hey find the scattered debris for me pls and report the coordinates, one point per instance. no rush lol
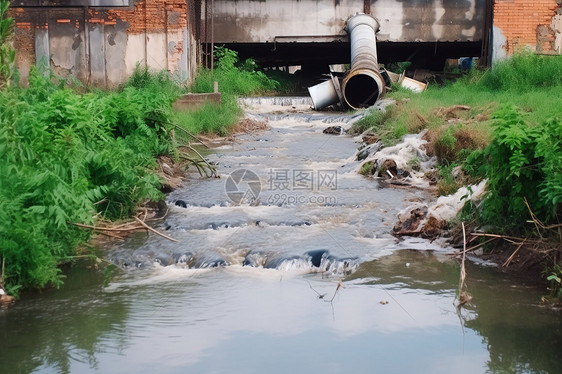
(119, 231)
(390, 77)
(249, 126)
(451, 112)
(5, 298)
(369, 138)
(429, 222)
(412, 84)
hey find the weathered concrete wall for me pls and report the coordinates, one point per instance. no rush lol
(102, 46)
(259, 21)
(535, 25)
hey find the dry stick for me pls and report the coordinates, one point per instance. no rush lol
(190, 134)
(505, 237)
(463, 270)
(145, 213)
(508, 261)
(536, 221)
(340, 285)
(124, 225)
(95, 228)
(473, 247)
(553, 226)
(213, 171)
(155, 231)
(320, 295)
(511, 239)
(464, 296)
(112, 235)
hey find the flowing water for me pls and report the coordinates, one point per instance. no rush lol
(302, 276)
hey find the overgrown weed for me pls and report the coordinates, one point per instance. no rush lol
(235, 78)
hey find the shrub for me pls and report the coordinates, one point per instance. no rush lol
(522, 162)
(64, 157)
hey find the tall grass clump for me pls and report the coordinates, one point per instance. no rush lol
(235, 78)
(66, 158)
(524, 72)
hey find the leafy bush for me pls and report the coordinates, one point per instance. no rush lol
(234, 77)
(522, 162)
(64, 157)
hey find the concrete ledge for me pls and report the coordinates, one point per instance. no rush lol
(191, 100)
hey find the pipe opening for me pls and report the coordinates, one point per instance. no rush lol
(361, 91)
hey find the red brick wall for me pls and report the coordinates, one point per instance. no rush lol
(145, 15)
(526, 23)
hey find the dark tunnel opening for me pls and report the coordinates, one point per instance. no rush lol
(361, 91)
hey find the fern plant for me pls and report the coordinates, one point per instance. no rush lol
(64, 157)
(522, 162)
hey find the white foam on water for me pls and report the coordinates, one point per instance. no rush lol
(155, 275)
(409, 149)
(448, 207)
(284, 104)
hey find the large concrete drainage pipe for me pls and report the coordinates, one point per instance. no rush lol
(363, 86)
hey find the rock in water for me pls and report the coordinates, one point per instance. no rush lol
(409, 224)
(333, 130)
(181, 203)
(362, 155)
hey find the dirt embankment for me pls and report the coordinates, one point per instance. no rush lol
(413, 163)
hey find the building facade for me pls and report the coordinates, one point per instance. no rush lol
(102, 41)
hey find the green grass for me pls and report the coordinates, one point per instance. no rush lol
(210, 118)
(532, 83)
(235, 78)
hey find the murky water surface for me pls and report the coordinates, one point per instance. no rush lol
(304, 278)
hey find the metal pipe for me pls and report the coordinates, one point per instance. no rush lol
(325, 94)
(364, 85)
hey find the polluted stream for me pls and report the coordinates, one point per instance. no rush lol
(284, 264)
